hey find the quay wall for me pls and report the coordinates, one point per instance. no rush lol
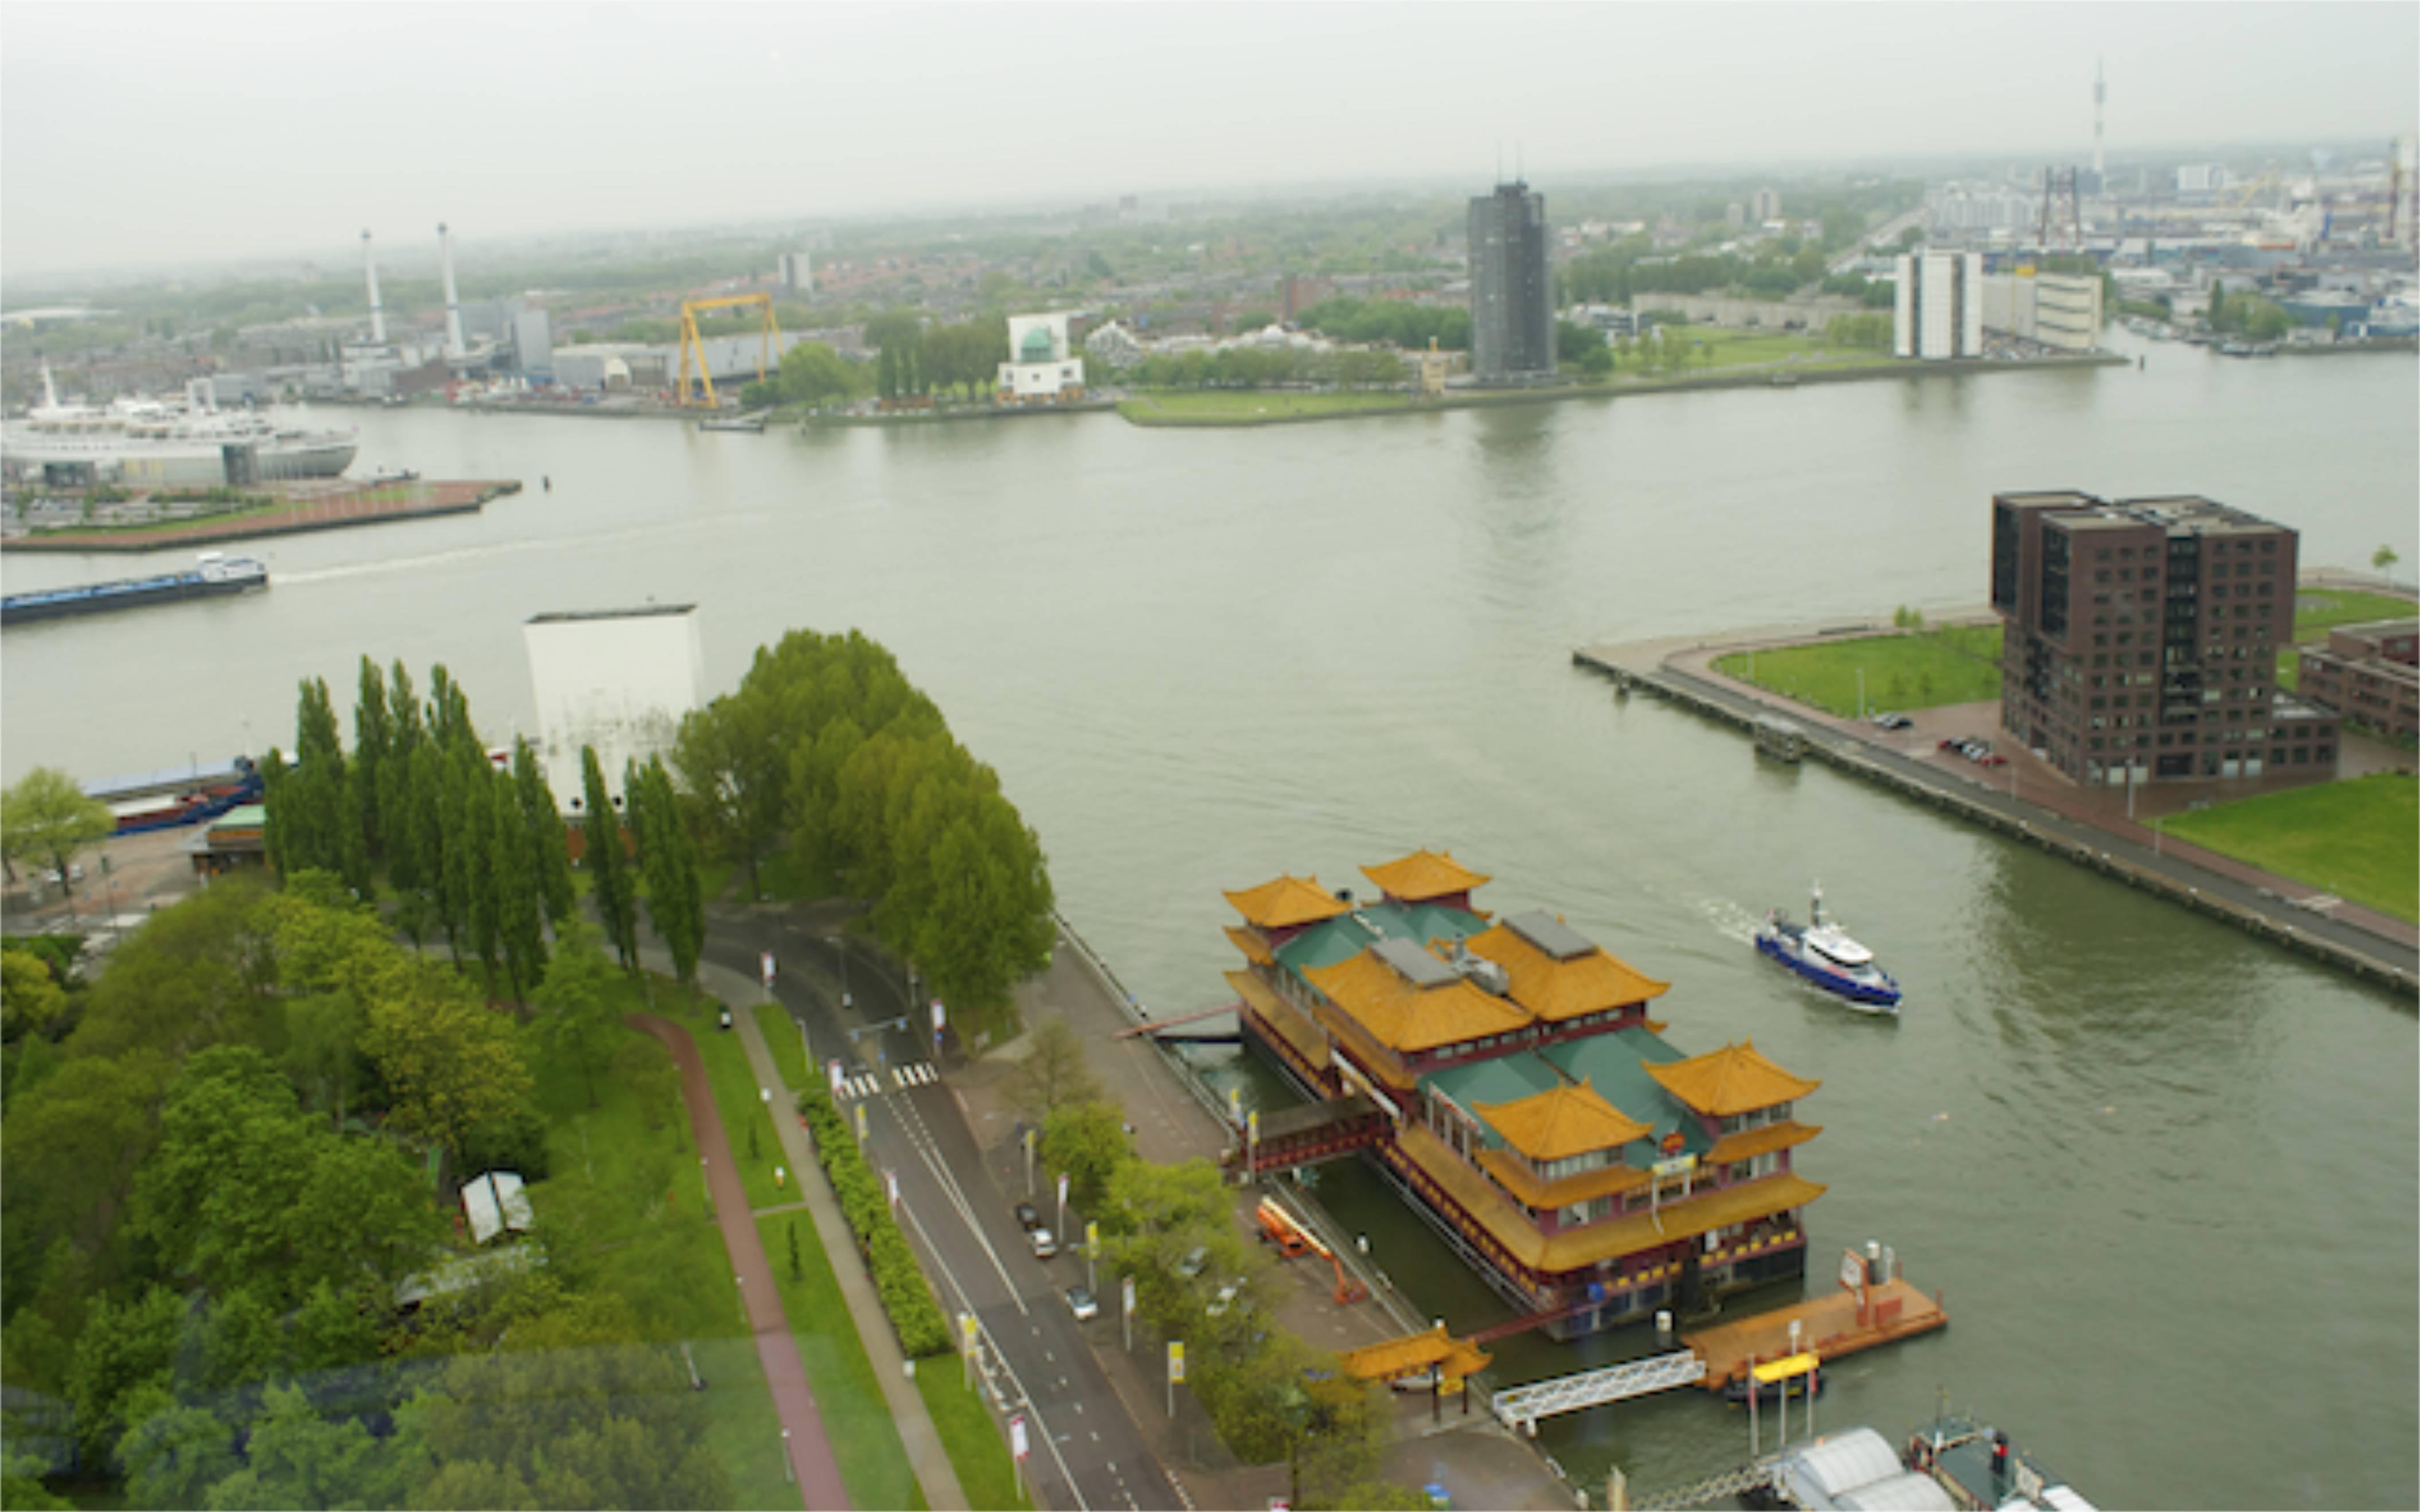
(1964, 806)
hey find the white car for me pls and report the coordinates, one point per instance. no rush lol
(1080, 1302)
(1044, 1245)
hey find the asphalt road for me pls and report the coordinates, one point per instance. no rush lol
(1085, 1451)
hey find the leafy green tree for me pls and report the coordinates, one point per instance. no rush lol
(1088, 1141)
(31, 999)
(450, 1064)
(732, 757)
(577, 1019)
(211, 1196)
(614, 892)
(2384, 559)
(173, 1455)
(293, 1457)
(21, 1486)
(813, 374)
(521, 916)
(373, 737)
(123, 1348)
(1053, 1073)
(45, 817)
(668, 861)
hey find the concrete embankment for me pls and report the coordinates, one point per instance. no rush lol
(2178, 872)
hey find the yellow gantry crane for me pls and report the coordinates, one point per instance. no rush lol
(693, 347)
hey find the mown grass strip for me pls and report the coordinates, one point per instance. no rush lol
(1959, 664)
(977, 1450)
(873, 1461)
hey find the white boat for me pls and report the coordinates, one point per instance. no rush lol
(153, 442)
(1822, 952)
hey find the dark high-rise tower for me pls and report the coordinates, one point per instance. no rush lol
(1511, 305)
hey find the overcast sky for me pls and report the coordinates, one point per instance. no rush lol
(136, 133)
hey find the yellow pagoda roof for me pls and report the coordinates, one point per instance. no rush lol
(1255, 949)
(1555, 990)
(1286, 901)
(1562, 1192)
(1754, 1142)
(1734, 1079)
(1407, 1018)
(1423, 874)
(1414, 1352)
(1560, 1122)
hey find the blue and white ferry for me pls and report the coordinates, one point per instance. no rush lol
(1820, 951)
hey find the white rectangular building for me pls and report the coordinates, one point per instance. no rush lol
(620, 679)
(2059, 310)
(1938, 309)
(1042, 367)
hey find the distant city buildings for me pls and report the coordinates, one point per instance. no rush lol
(2142, 636)
(795, 272)
(1511, 302)
(1938, 302)
(2057, 310)
(1042, 367)
(1767, 206)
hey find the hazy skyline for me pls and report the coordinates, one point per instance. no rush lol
(138, 133)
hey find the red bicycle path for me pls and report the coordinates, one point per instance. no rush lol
(819, 1482)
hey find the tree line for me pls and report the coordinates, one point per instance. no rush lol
(212, 1201)
(1259, 367)
(1271, 1397)
(465, 846)
(1395, 321)
(826, 750)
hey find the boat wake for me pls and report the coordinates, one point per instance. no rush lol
(344, 572)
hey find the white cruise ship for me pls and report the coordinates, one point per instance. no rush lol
(157, 443)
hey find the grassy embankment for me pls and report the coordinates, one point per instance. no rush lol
(2359, 840)
(623, 1188)
(1960, 664)
(2318, 610)
(977, 1451)
(1724, 354)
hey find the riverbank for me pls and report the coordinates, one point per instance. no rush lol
(297, 509)
(1227, 409)
(2028, 801)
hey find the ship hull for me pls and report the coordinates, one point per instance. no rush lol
(108, 597)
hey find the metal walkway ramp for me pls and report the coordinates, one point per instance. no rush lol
(1727, 1486)
(1523, 1406)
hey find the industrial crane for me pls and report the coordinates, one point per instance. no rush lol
(693, 345)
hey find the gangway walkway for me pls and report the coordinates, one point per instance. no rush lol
(1523, 1406)
(1728, 1486)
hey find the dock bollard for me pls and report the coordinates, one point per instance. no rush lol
(1664, 1327)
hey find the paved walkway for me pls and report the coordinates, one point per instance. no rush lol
(819, 1482)
(916, 1435)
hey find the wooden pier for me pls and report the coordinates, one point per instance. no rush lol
(1829, 1326)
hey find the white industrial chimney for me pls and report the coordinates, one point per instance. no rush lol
(377, 311)
(2100, 102)
(453, 349)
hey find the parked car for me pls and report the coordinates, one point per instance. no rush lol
(1027, 1218)
(1080, 1302)
(1044, 1244)
(1195, 1259)
(1992, 759)
(1894, 722)
(1225, 1299)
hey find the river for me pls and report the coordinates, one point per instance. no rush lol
(2164, 1175)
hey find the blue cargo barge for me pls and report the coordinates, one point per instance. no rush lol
(214, 575)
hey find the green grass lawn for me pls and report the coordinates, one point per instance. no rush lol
(2317, 611)
(2359, 840)
(626, 1207)
(743, 1110)
(978, 1451)
(1734, 348)
(1956, 665)
(1244, 407)
(848, 1399)
(780, 1033)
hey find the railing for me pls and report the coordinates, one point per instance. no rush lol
(1521, 1407)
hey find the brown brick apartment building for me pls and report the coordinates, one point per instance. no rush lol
(2145, 633)
(2367, 672)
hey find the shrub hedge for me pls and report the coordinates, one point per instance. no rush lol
(921, 1329)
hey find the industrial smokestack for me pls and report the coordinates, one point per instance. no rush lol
(2100, 99)
(453, 349)
(377, 311)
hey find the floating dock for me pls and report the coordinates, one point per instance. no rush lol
(1829, 1326)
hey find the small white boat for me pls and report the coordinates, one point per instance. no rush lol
(1822, 952)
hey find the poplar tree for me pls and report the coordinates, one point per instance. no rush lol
(373, 741)
(607, 863)
(542, 818)
(521, 921)
(669, 863)
(481, 903)
(398, 825)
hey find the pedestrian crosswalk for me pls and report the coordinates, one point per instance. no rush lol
(866, 1084)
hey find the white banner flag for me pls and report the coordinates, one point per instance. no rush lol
(1016, 1444)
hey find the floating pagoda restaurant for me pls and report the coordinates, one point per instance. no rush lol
(1508, 1079)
